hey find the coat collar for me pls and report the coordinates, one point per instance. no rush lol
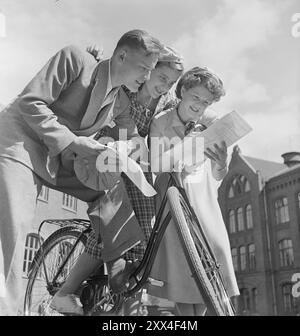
(97, 95)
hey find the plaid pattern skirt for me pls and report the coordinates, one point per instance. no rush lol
(144, 209)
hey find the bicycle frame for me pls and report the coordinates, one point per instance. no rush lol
(156, 236)
(141, 274)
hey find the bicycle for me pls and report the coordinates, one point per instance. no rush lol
(95, 295)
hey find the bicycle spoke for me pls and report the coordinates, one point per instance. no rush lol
(40, 291)
(203, 264)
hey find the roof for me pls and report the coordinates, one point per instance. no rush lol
(266, 168)
(287, 170)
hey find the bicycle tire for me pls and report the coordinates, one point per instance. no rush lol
(198, 255)
(59, 239)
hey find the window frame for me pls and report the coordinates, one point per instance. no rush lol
(282, 215)
(44, 194)
(243, 258)
(235, 259)
(240, 219)
(252, 257)
(232, 221)
(284, 261)
(247, 212)
(30, 251)
(66, 198)
(288, 298)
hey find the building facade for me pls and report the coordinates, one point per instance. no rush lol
(260, 203)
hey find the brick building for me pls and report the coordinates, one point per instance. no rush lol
(260, 202)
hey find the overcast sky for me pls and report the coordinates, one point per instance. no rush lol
(248, 43)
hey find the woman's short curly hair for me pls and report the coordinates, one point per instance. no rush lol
(201, 76)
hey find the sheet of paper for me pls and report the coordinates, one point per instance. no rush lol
(230, 128)
(131, 168)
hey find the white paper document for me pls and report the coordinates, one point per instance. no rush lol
(230, 128)
(190, 151)
(134, 171)
(127, 165)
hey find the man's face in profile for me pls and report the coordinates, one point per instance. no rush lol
(136, 67)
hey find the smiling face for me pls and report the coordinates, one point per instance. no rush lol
(194, 102)
(161, 80)
(135, 67)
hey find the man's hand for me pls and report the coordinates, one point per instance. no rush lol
(83, 147)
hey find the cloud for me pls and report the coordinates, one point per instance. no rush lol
(275, 131)
(225, 41)
(231, 43)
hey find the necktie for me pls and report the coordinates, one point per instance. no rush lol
(103, 132)
(109, 99)
(189, 127)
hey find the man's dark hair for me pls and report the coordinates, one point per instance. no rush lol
(140, 39)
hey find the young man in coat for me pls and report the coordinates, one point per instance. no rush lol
(51, 124)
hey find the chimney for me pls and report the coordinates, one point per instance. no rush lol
(291, 158)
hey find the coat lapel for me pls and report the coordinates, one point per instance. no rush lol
(108, 113)
(97, 96)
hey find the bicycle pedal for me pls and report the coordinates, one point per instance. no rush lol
(157, 283)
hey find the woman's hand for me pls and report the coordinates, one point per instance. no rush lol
(219, 156)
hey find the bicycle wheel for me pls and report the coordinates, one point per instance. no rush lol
(42, 284)
(199, 256)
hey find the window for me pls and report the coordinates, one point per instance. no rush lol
(254, 299)
(251, 252)
(247, 186)
(231, 193)
(289, 302)
(282, 210)
(44, 194)
(245, 300)
(240, 219)
(243, 258)
(249, 220)
(31, 246)
(232, 228)
(239, 186)
(69, 202)
(234, 259)
(286, 254)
